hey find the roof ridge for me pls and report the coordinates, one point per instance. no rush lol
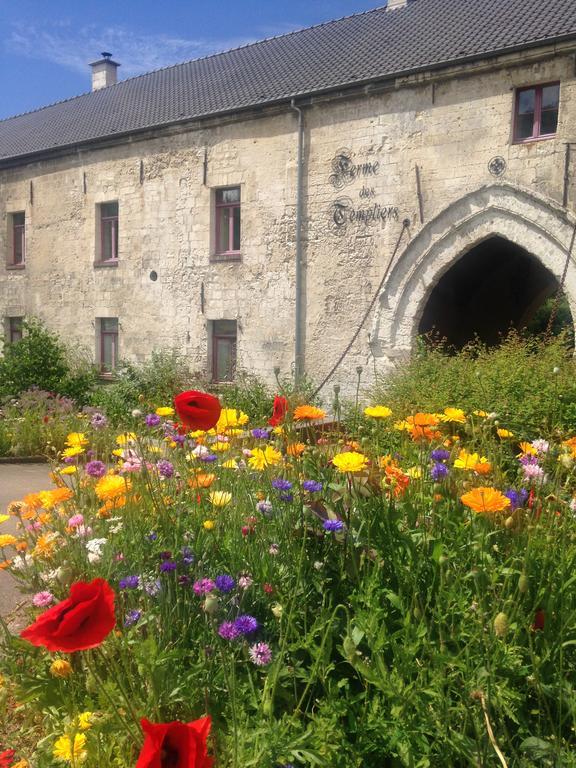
(199, 58)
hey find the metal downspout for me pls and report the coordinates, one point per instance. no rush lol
(298, 329)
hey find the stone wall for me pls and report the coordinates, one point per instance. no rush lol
(450, 126)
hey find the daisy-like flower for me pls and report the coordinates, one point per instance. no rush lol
(111, 487)
(453, 416)
(262, 458)
(220, 498)
(260, 654)
(308, 413)
(378, 411)
(350, 461)
(485, 500)
(164, 410)
(76, 440)
(230, 418)
(70, 749)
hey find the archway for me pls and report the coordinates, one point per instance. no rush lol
(494, 287)
(532, 232)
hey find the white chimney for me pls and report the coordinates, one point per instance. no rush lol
(394, 4)
(104, 72)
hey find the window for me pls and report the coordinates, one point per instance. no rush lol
(227, 235)
(14, 329)
(107, 343)
(108, 226)
(536, 112)
(16, 239)
(223, 350)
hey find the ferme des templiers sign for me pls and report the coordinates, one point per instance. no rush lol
(345, 210)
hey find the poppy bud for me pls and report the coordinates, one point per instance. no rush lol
(523, 583)
(210, 605)
(501, 625)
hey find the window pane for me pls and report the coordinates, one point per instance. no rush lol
(225, 328)
(550, 97)
(108, 209)
(549, 121)
(231, 195)
(18, 252)
(109, 345)
(225, 359)
(109, 239)
(14, 329)
(526, 101)
(524, 126)
(18, 219)
(223, 244)
(109, 324)
(236, 228)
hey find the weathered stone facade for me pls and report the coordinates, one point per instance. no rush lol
(445, 128)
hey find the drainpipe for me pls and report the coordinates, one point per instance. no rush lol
(299, 314)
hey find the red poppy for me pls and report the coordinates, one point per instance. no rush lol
(197, 410)
(175, 745)
(7, 758)
(539, 618)
(80, 622)
(279, 411)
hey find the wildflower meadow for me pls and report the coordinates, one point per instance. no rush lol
(208, 589)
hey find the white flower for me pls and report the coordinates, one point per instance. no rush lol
(94, 558)
(94, 546)
(20, 563)
(136, 413)
(53, 575)
(200, 450)
(542, 446)
(318, 565)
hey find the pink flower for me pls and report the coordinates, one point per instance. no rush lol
(260, 654)
(42, 599)
(75, 521)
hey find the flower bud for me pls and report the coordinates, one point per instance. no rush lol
(60, 668)
(211, 605)
(501, 625)
(523, 583)
(277, 610)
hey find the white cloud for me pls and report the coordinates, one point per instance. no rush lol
(73, 47)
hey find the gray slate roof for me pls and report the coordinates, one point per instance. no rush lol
(361, 48)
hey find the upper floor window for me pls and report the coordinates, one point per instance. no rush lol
(536, 113)
(107, 343)
(16, 239)
(108, 226)
(227, 235)
(224, 350)
(14, 329)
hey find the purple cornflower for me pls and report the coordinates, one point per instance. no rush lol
(98, 421)
(167, 566)
(208, 457)
(152, 420)
(260, 654)
(245, 624)
(312, 486)
(517, 498)
(439, 472)
(129, 582)
(187, 556)
(224, 583)
(228, 630)
(152, 536)
(333, 525)
(69, 459)
(132, 617)
(165, 468)
(281, 484)
(180, 439)
(439, 454)
(527, 459)
(287, 497)
(96, 468)
(203, 586)
(264, 507)
(260, 434)
(152, 587)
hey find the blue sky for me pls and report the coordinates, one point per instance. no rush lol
(45, 47)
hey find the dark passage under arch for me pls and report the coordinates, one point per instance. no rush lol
(494, 287)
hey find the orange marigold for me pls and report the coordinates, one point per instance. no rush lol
(202, 480)
(308, 413)
(295, 449)
(485, 500)
(112, 486)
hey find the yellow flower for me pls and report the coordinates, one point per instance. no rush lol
(45, 545)
(7, 540)
(3, 518)
(481, 414)
(118, 452)
(85, 720)
(164, 410)
(208, 525)
(453, 415)
(127, 437)
(21, 764)
(230, 418)
(69, 470)
(350, 461)
(60, 668)
(76, 440)
(483, 500)
(220, 447)
(230, 464)
(111, 486)
(414, 472)
(527, 449)
(235, 432)
(308, 413)
(503, 433)
(403, 426)
(268, 457)
(197, 433)
(76, 450)
(378, 411)
(70, 750)
(220, 498)
(467, 460)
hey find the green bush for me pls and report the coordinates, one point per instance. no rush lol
(529, 382)
(40, 359)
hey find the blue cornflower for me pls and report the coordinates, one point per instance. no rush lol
(228, 630)
(333, 525)
(165, 468)
(264, 507)
(246, 624)
(261, 434)
(281, 485)
(439, 454)
(187, 556)
(167, 566)
(313, 486)
(152, 536)
(132, 617)
(152, 420)
(517, 498)
(129, 582)
(439, 472)
(208, 457)
(224, 583)
(288, 497)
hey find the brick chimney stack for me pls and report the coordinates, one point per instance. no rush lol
(395, 4)
(104, 71)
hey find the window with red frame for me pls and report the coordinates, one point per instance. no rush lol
(17, 236)
(14, 329)
(536, 113)
(224, 350)
(107, 344)
(108, 232)
(227, 235)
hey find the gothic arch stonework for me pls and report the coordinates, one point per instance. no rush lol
(537, 224)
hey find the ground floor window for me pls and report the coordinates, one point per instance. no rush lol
(14, 329)
(107, 343)
(223, 350)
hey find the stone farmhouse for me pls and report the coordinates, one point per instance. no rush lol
(311, 199)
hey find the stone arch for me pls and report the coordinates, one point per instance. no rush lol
(534, 223)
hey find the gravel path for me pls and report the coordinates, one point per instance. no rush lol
(16, 480)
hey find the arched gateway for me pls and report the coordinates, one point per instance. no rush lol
(488, 260)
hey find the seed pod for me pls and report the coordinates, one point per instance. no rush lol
(509, 522)
(501, 625)
(523, 583)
